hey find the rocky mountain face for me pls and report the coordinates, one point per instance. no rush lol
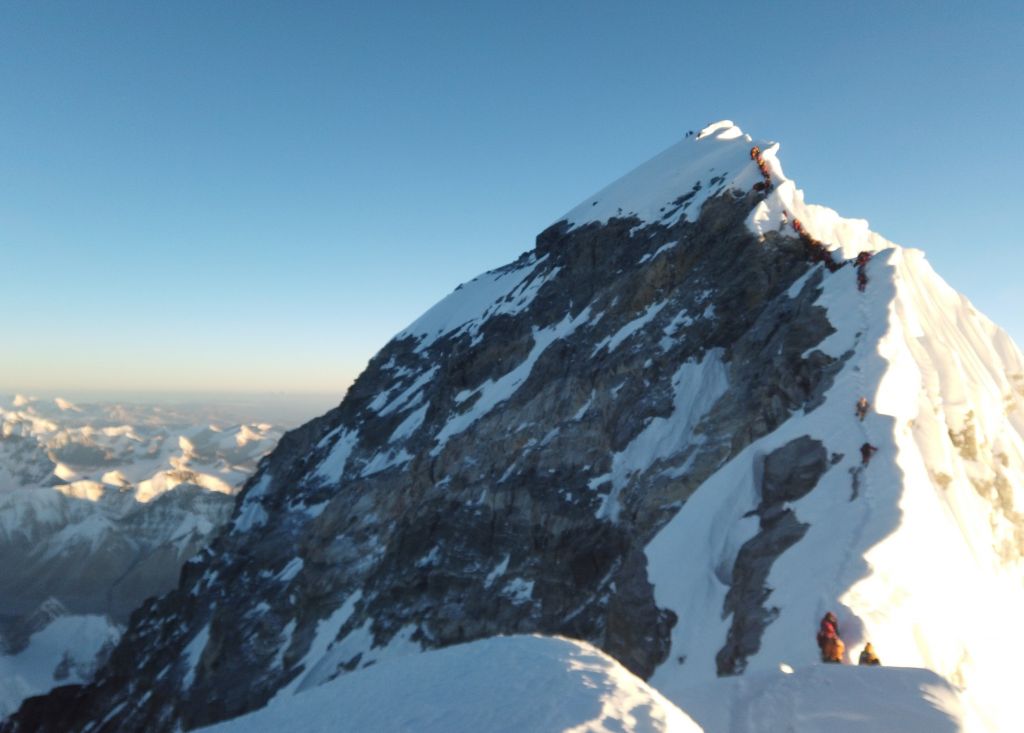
(501, 475)
(636, 435)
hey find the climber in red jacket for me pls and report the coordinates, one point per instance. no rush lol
(831, 646)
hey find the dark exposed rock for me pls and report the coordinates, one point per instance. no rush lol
(786, 474)
(791, 471)
(521, 522)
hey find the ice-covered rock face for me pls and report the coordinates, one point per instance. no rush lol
(641, 434)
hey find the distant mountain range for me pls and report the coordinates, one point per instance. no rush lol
(100, 505)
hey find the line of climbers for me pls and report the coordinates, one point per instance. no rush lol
(832, 647)
(766, 174)
(816, 250)
(866, 450)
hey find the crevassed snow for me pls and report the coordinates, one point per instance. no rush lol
(718, 158)
(500, 685)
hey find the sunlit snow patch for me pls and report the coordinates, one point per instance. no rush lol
(500, 685)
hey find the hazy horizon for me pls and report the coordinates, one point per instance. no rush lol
(287, 409)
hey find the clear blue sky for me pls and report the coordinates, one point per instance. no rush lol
(248, 196)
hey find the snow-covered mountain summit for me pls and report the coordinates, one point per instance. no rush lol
(642, 434)
(674, 185)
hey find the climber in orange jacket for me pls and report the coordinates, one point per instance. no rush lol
(868, 657)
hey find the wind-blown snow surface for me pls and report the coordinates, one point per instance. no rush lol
(544, 685)
(828, 699)
(504, 684)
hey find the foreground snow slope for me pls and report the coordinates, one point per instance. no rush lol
(544, 684)
(504, 684)
(828, 699)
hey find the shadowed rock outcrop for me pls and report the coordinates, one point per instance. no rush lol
(786, 474)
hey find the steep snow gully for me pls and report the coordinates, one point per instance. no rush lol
(642, 435)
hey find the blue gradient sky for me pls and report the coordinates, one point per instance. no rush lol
(255, 196)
